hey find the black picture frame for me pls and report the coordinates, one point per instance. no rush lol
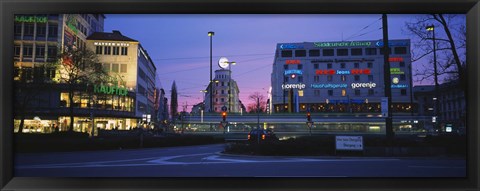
(8, 8)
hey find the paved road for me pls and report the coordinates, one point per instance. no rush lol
(206, 161)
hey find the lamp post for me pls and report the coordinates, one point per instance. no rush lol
(230, 93)
(437, 112)
(210, 34)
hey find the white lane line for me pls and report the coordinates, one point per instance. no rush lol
(458, 167)
(216, 158)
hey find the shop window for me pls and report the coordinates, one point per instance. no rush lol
(370, 65)
(389, 51)
(98, 49)
(342, 65)
(315, 66)
(342, 52)
(17, 50)
(27, 50)
(116, 50)
(107, 50)
(41, 30)
(344, 92)
(124, 51)
(400, 50)
(371, 51)
(356, 65)
(52, 30)
(28, 29)
(18, 29)
(40, 51)
(330, 92)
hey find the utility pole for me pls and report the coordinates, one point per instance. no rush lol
(387, 79)
(258, 112)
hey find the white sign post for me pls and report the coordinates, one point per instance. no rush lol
(354, 143)
(384, 106)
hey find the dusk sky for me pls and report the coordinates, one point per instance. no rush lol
(179, 44)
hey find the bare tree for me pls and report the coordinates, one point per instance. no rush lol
(79, 68)
(450, 35)
(252, 107)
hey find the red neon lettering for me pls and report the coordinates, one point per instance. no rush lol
(292, 62)
(366, 71)
(355, 71)
(395, 59)
(331, 72)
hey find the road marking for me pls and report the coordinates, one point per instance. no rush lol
(459, 167)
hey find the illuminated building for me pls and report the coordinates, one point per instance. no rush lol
(223, 88)
(339, 76)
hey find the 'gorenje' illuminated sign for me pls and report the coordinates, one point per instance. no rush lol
(329, 86)
(110, 90)
(396, 71)
(299, 72)
(343, 72)
(31, 19)
(364, 85)
(293, 86)
(342, 44)
(292, 61)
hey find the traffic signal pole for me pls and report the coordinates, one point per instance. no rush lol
(387, 81)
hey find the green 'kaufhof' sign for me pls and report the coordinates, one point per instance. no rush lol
(110, 90)
(31, 19)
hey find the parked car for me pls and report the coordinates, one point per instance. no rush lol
(261, 135)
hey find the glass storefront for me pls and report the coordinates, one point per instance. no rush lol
(105, 102)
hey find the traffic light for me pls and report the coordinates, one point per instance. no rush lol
(224, 116)
(309, 118)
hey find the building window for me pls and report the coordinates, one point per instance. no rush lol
(285, 66)
(329, 78)
(370, 65)
(400, 50)
(40, 51)
(314, 53)
(330, 92)
(27, 50)
(18, 29)
(287, 53)
(316, 92)
(402, 77)
(300, 53)
(106, 67)
(300, 66)
(124, 51)
(115, 68)
(402, 64)
(356, 65)
(52, 52)
(370, 77)
(223, 84)
(327, 52)
(329, 66)
(223, 92)
(285, 79)
(123, 68)
(17, 50)
(300, 78)
(98, 50)
(316, 78)
(108, 50)
(116, 50)
(342, 52)
(315, 66)
(344, 78)
(342, 65)
(223, 99)
(371, 51)
(356, 51)
(41, 30)
(52, 30)
(403, 92)
(357, 92)
(357, 78)
(389, 50)
(28, 29)
(344, 92)
(370, 92)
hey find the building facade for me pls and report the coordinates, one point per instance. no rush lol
(339, 76)
(225, 93)
(127, 61)
(37, 41)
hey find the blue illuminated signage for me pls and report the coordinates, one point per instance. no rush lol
(399, 86)
(329, 86)
(298, 72)
(391, 43)
(354, 101)
(343, 71)
(289, 46)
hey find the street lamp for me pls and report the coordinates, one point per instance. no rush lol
(210, 34)
(437, 112)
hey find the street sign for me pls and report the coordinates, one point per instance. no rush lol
(348, 142)
(224, 124)
(224, 108)
(384, 106)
